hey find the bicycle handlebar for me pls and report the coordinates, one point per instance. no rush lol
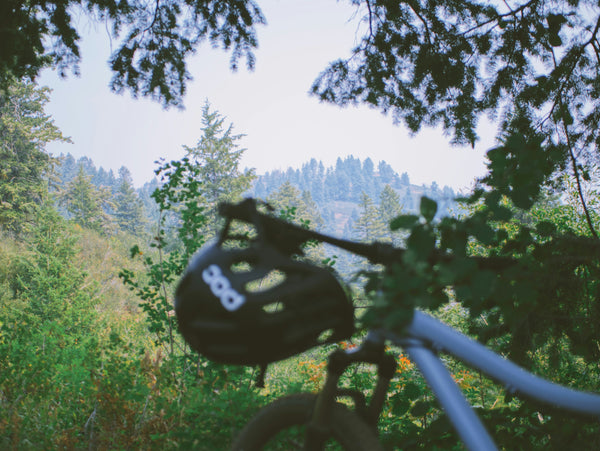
(289, 237)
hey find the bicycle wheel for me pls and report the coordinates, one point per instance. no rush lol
(281, 425)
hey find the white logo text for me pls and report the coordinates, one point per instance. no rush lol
(221, 288)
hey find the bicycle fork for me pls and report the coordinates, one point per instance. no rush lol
(371, 351)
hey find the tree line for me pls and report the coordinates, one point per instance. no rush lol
(102, 195)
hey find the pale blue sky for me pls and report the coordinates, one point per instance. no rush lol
(284, 126)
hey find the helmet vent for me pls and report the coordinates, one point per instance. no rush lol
(271, 280)
(240, 267)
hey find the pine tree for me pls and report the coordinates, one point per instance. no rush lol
(389, 208)
(369, 226)
(217, 156)
(85, 203)
(24, 165)
(128, 207)
(50, 280)
(408, 203)
(299, 207)
(306, 210)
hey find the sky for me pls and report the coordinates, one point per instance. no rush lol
(283, 125)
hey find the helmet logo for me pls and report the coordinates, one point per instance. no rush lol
(221, 288)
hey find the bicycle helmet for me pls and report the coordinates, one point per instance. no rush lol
(225, 314)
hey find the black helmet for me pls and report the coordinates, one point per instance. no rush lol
(225, 314)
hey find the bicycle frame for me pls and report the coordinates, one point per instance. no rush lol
(424, 338)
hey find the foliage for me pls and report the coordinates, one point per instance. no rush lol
(191, 189)
(46, 333)
(337, 191)
(535, 66)
(24, 166)
(305, 209)
(129, 209)
(534, 63)
(86, 203)
(154, 41)
(179, 191)
(49, 281)
(370, 225)
(525, 266)
(76, 376)
(217, 156)
(390, 207)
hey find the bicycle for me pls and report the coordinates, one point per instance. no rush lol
(423, 339)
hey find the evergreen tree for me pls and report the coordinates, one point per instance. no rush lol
(389, 204)
(408, 202)
(390, 208)
(50, 280)
(128, 208)
(369, 226)
(152, 41)
(386, 173)
(24, 165)
(145, 195)
(67, 169)
(299, 207)
(404, 179)
(305, 209)
(217, 156)
(86, 203)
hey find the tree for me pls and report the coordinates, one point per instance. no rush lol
(370, 225)
(189, 191)
(50, 280)
(533, 65)
(129, 209)
(387, 174)
(290, 197)
(389, 208)
(86, 203)
(24, 165)
(154, 40)
(217, 157)
(404, 179)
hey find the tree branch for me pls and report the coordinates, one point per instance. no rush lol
(578, 180)
(370, 19)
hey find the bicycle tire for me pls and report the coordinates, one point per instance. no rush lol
(348, 430)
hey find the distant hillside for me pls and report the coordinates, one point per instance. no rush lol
(336, 190)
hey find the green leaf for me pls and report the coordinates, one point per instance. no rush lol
(404, 222)
(428, 208)
(545, 228)
(411, 391)
(420, 408)
(400, 405)
(585, 174)
(482, 284)
(422, 242)
(484, 233)
(134, 251)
